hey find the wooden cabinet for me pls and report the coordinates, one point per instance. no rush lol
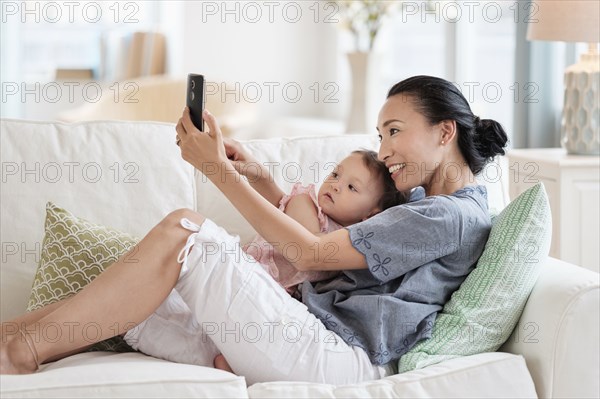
(572, 184)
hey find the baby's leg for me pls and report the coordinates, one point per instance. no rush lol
(221, 363)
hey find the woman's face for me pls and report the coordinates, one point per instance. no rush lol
(409, 144)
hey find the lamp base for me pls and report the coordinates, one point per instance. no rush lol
(580, 126)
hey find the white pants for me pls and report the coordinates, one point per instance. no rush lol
(224, 302)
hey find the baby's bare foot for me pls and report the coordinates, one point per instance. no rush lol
(17, 353)
(221, 364)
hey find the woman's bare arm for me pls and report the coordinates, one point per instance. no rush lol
(258, 175)
(265, 185)
(332, 251)
(327, 252)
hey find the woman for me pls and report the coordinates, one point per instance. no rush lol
(400, 266)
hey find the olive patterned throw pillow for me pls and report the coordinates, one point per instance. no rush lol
(74, 252)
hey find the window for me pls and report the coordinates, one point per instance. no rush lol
(469, 43)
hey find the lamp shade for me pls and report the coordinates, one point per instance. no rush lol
(567, 21)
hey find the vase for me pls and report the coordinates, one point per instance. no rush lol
(580, 130)
(356, 120)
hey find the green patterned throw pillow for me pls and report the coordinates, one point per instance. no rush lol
(74, 252)
(482, 313)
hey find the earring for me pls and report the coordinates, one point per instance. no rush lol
(442, 141)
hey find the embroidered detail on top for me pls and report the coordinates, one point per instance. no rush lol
(428, 328)
(363, 238)
(326, 320)
(402, 349)
(381, 353)
(351, 335)
(380, 264)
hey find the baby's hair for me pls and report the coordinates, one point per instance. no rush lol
(391, 196)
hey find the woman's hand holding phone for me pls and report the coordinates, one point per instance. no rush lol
(204, 150)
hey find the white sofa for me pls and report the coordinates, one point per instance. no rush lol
(129, 175)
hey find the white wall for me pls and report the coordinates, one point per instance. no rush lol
(225, 40)
(219, 40)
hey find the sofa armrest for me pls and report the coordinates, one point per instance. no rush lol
(558, 333)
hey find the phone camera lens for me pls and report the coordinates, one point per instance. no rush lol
(193, 84)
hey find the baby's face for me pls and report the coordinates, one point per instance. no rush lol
(350, 193)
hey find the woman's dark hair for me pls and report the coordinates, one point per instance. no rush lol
(391, 196)
(479, 140)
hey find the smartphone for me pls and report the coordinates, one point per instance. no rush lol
(195, 99)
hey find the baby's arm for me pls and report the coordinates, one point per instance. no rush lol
(203, 149)
(302, 209)
(258, 175)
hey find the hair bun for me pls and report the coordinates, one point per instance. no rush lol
(490, 137)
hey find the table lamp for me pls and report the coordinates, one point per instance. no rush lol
(574, 21)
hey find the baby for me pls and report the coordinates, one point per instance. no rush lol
(359, 187)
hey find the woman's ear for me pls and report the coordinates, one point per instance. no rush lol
(448, 130)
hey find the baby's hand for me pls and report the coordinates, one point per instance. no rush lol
(254, 171)
(243, 161)
(234, 150)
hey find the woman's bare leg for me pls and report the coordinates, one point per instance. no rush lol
(12, 327)
(34, 315)
(118, 299)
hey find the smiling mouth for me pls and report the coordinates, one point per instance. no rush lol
(396, 167)
(328, 196)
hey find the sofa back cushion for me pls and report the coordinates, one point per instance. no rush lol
(310, 160)
(127, 175)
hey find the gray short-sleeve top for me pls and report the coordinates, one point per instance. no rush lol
(418, 254)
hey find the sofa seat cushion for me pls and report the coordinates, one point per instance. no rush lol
(501, 375)
(110, 375)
